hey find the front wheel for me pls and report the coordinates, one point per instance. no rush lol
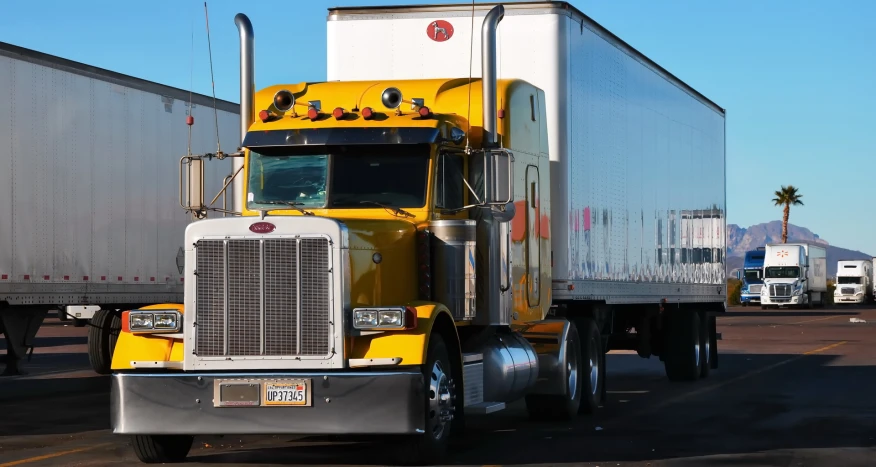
(566, 407)
(161, 449)
(440, 405)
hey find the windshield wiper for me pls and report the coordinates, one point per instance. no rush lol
(291, 204)
(395, 211)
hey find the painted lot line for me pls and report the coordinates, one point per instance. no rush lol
(30, 460)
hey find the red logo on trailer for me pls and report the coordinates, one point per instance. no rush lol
(439, 30)
(262, 227)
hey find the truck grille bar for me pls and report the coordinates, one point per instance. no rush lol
(780, 290)
(262, 297)
(754, 288)
(847, 291)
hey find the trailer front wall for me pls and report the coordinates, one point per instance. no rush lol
(89, 178)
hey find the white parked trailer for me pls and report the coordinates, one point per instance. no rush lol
(89, 170)
(637, 156)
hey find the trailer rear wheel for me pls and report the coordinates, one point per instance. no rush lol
(566, 407)
(684, 354)
(99, 351)
(160, 449)
(705, 344)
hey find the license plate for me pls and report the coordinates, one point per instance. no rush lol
(292, 393)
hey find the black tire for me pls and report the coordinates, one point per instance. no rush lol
(160, 449)
(744, 304)
(705, 345)
(565, 407)
(62, 315)
(763, 307)
(98, 342)
(683, 344)
(431, 447)
(79, 323)
(115, 328)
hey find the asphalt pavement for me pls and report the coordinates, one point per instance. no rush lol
(794, 388)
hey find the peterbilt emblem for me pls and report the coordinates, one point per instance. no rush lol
(262, 227)
(439, 30)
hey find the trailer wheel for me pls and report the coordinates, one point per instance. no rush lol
(683, 344)
(99, 353)
(566, 407)
(160, 449)
(705, 345)
(440, 405)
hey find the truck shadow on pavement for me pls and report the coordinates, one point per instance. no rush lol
(789, 313)
(756, 409)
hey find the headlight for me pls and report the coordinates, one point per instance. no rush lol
(385, 318)
(152, 321)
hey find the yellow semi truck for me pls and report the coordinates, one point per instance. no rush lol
(408, 249)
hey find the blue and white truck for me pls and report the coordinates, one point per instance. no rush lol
(752, 276)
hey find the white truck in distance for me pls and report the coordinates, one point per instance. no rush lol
(795, 274)
(854, 281)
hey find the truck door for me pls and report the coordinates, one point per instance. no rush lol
(533, 243)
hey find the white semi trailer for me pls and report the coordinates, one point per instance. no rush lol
(795, 275)
(854, 281)
(90, 223)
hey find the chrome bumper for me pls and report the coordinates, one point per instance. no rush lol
(341, 403)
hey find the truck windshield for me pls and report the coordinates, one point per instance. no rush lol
(338, 177)
(752, 275)
(786, 272)
(848, 280)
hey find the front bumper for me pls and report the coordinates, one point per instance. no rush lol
(750, 298)
(341, 403)
(848, 299)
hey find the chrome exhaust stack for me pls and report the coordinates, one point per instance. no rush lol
(247, 91)
(488, 66)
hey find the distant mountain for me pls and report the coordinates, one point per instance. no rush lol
(740, 240)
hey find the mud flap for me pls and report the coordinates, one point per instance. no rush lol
(714, 337)
(19, 326)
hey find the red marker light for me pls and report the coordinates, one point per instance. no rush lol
(367, 113)
(190, 120)
(338, 113)
(312, 113)
(264, 115)
(425, 112)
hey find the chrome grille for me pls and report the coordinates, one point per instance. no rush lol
(754, 288)
(847, 291)
(780, 290)
(262, 297)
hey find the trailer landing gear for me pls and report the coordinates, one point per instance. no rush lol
(19, 326)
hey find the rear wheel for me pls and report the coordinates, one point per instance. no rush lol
(160, 449)
(566, 407)
(684, 354)
(705, 345)
(99, 340)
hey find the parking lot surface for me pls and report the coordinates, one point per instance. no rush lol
(794, 388)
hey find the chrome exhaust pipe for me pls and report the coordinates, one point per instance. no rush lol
(247, 91)
(488, 66)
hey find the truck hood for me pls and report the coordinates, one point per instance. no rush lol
(781, 281)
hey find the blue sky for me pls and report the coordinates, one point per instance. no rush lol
(797, 77)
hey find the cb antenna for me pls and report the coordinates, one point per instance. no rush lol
(470, 61)
(212, 81)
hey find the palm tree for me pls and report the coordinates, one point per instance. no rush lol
(787, 196)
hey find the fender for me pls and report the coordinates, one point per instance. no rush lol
(409, 345)
(148, 347)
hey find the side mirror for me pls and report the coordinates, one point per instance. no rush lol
(738, 274)
(500, 179)
(191, 186)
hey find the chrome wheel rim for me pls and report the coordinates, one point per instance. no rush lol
(572, 368)
(594, 367)
(440, 401)
(697, 347)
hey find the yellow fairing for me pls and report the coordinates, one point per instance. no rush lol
(409, 345)
(147, 347)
